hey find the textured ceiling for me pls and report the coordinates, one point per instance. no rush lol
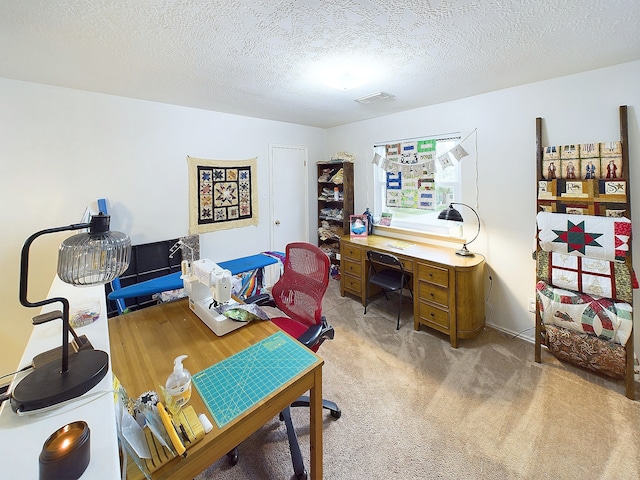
(263, 58)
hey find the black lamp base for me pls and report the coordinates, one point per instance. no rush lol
(46, 386)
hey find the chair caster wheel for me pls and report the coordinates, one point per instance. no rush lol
(302, 476)
(336, 414)
(232, 458)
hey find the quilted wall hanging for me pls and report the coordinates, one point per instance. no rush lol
(605, 238)
(589, 275)
(410, 168)
(223, 194)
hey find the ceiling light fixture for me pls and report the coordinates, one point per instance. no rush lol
(345, 80)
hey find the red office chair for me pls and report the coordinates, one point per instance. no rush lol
(298, 294)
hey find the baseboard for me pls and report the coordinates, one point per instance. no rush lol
(512, 333)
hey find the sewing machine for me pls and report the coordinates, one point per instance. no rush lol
(209, 287)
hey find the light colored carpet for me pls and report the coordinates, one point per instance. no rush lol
(413, 407)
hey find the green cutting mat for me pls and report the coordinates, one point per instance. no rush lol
(236, 384)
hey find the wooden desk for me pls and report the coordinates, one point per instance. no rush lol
(143, 346)
(448, 289)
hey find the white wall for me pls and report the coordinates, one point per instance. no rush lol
(575, 109)
(62, 149)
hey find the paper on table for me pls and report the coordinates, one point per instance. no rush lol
(399, 244)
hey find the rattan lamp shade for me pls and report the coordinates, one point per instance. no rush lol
(93, 258)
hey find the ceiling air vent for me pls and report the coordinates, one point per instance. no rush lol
(374, 97)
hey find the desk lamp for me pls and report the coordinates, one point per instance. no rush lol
(89, 258)
(455, 216)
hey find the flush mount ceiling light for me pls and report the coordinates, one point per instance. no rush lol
(343, 72)
(345, 79)
(374, 97)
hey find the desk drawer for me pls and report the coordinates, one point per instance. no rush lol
(352, 252)
(433, 293)
(353, 284)
(407, 263)
(351, 267)
(435, 316)
(433, 274)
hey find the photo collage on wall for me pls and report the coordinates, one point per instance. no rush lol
(410, 174)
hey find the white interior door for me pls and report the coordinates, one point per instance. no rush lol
(289, 195)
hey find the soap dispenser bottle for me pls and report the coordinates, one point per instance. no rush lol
(178, 385)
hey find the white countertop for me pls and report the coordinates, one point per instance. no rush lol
(22, 437)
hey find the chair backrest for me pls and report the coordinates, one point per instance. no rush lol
(300, 290)
(383, 258)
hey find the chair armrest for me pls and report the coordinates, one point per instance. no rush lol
(311, 336)
(261, 299)
(316, 334)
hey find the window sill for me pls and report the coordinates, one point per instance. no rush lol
(408, 234)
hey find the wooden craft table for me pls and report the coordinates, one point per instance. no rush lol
(448, 289)
(143, 346)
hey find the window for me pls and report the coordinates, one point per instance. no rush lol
(414, 189)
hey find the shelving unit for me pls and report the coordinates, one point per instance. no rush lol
(600, 190)
(335, 205)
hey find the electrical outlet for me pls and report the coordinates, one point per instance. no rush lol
(532, 305)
